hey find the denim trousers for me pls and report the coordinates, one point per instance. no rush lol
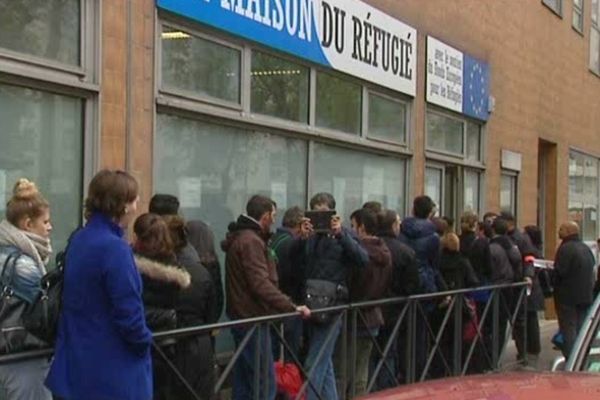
(321, 373)
(256, 353)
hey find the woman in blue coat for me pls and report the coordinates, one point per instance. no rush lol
(103, 345)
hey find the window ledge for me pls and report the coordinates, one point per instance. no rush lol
(556, 12)
(580, 32)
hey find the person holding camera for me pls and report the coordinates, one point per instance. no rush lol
(328, 254)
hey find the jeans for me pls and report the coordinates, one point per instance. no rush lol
(364, 346)
(24, 380)
(322, 376)
(244, 371)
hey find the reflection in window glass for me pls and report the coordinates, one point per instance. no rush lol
(578, 15)
(42, 140)
(472, 190)
(279, 87)
(200, 66)
(353, 178)
(595, 50)
(387, 119)
(590, 211)
(215, 169)
(433, 185)
(338, 104)
(48, 29)
(576, 184)
(444, 133)
(508, 193)
(473, 141)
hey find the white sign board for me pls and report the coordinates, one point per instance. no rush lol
(444, 75)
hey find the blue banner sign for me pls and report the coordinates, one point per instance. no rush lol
(345, 35)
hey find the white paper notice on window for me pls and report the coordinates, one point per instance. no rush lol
(2, 189)
(190, 192)
(279, 194)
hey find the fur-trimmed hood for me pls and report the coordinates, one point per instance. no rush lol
(158, 271)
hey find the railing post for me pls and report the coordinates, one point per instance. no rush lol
(496, 293)
(256, 377)
(411, 352)
(353, 351)
(344, 363)
(457, 335)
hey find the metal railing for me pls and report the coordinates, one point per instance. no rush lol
(422, 340)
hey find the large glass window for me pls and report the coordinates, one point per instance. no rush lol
(355, 177)
(214, 169)
(200, 67)
(279, 87)
(42, 140)
(387, 119)
(508, 193)
(445, 133)
(43, 28)
(338, 104)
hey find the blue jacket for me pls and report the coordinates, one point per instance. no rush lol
(103, 345)
(419, 234)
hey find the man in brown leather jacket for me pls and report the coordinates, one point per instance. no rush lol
(252, 291)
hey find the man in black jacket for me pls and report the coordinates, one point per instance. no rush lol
(327, 259)
(405, 282)
(573, 282)
(527, 317)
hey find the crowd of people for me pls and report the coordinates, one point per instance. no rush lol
(116, 292)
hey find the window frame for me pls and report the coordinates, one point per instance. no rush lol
(89, 52)
(242, 112)
(557, 10)
(580, 12)
(189, 94)
(594, 27)
(514, 177)
(585, 156)
(407, 116)
(82, 82)
(447, 156)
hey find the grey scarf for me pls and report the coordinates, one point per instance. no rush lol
(33, 245)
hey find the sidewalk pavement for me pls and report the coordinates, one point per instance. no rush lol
(544, 363)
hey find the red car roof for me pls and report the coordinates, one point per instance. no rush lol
(505, 386)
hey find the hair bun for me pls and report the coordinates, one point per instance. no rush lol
(25, 189)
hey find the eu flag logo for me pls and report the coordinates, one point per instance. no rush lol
(476, 88)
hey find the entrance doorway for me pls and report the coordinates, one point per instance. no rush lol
(453, 188)
(546, 198)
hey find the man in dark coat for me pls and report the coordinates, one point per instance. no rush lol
(573, 283)
(419, 233)
(529, 316)
(405, 282)
(252, 291)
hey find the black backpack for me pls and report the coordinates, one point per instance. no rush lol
(41, 317)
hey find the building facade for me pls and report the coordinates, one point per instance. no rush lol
(481, 105)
